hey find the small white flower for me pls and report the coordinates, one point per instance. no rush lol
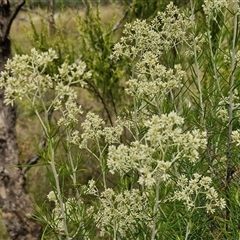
(51, 196)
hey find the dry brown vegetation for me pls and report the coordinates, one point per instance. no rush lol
(65, 21)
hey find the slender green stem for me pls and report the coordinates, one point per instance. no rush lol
(54, 171)
(197, 68)
(74, 168)
(42, 123)
(53, 167)
(59, 195)
(135, 119)
(188, 229)
(101, 160)
(155, 211)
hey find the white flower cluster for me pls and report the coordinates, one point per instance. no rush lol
(93, 129)
(163, 144)
(223, 105)
(25, 77)
(166, 131)
(74, 137)
(144, 43)
(123, 158)
(228, 57)
(157, 79)
(174, 26)
(73, 73)
(198, 193)
(166, 30)
(122, 213)
(90, 188)
(70, 110)
(211, 7)
(236, 137)
(57, 221)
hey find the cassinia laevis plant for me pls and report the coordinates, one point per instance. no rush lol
(161, 151)
(156, 180)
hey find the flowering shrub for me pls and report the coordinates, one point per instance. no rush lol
(168, 162)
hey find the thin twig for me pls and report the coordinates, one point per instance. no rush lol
(35, 12)
(116, 26)
(95, 90)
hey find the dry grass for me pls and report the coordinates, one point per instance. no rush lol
(65, 20)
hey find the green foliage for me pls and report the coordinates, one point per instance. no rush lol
(96, 43)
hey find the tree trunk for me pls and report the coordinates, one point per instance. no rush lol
(15, 203)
